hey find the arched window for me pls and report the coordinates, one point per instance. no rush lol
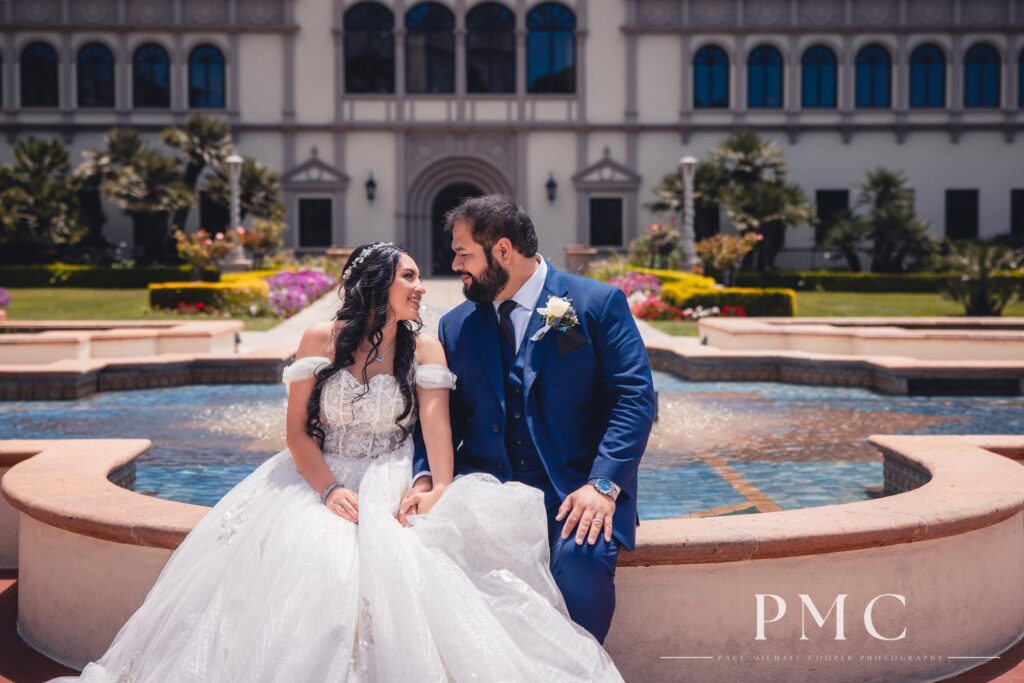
(490, 49)
(818, 78)
(551, 49)
(95, 67)
(1020, 80)
(764, 78)
(710, 78)
(927, 76)
(206, 78)
(981, 76)
(369, 48)
(151, 77)
(874, 75)
(429, 49)
(39, 79)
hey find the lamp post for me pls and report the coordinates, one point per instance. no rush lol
(236, 260)
(234, 163)
(687, 167)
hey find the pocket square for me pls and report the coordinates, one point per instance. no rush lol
(571, 340)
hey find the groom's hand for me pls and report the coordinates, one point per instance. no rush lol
(408, 506)
(591, 511)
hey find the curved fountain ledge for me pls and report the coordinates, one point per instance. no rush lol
(951, 543)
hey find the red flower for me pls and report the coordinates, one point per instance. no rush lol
(200, 305)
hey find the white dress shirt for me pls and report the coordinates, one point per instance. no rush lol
(526, 297)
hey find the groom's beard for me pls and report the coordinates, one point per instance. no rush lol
(485, 288)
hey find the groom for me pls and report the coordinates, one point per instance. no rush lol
(563, 402)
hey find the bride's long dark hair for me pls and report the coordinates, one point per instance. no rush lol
(369, 271)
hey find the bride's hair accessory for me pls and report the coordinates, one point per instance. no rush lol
(376, 246)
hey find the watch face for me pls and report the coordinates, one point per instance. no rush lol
(604, 486)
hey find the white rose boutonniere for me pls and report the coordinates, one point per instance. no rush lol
(558, 314)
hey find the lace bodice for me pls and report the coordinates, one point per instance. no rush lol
(359, 421)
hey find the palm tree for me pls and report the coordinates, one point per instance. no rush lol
(259, 190)
(755, 193)
(38, 207)
(706, 181)
(983, 287)
(149, 190)
(121, 147)
(204, 141)
(900, 240)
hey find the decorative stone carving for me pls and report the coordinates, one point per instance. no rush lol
(37, 12)
(821, 12)
(984, 12)
(206, 12)
(607, 175)
(712, 13)
(94, 12)
(875, 13)
(767, 13)
(930, 12)
(314, 174)
(261, 12)
(496, 149)
(658, 13)
(150, 12)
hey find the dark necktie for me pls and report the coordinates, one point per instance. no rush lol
(508, 330)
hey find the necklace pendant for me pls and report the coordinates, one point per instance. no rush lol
(379, 357)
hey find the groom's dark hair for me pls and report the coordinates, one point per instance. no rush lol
(492, 217)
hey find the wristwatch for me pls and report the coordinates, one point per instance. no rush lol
(606, 487)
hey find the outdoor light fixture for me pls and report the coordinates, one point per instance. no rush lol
(687, 169)
(552, 187)
(371, 188)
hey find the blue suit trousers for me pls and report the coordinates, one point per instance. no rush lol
(585, 574)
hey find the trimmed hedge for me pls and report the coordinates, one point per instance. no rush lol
(232, 297)
(97, 277)
(755, 302)
(691, 280)
(840, 281)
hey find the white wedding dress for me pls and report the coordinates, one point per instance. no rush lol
(272, 586)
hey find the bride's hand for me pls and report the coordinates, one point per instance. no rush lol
(344, 503)
(417, 503)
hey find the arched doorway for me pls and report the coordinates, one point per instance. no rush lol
(441, 242)
(432, 191)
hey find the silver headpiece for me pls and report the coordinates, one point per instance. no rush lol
(362, 256)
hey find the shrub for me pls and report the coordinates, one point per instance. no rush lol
(977, 289)
(97, 277)
(235, 298)
(606, 269)
(754, 302)
(199, 249)
(841, 281)
(723, 254)
(631, 283)
(659, 248)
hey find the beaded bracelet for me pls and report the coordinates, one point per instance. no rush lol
(327, 492)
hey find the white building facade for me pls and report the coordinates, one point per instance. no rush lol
(576, 108)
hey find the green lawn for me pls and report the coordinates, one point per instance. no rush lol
(68, 303)
(854, 304)
(686, 328)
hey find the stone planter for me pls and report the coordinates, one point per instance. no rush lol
(579, 257)
(339, 255)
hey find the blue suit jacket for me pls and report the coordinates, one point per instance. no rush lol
(589, 397)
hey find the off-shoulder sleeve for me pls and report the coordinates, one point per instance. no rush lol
(435, 376)
(303, 368)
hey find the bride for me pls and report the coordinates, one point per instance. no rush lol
(306, 571)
